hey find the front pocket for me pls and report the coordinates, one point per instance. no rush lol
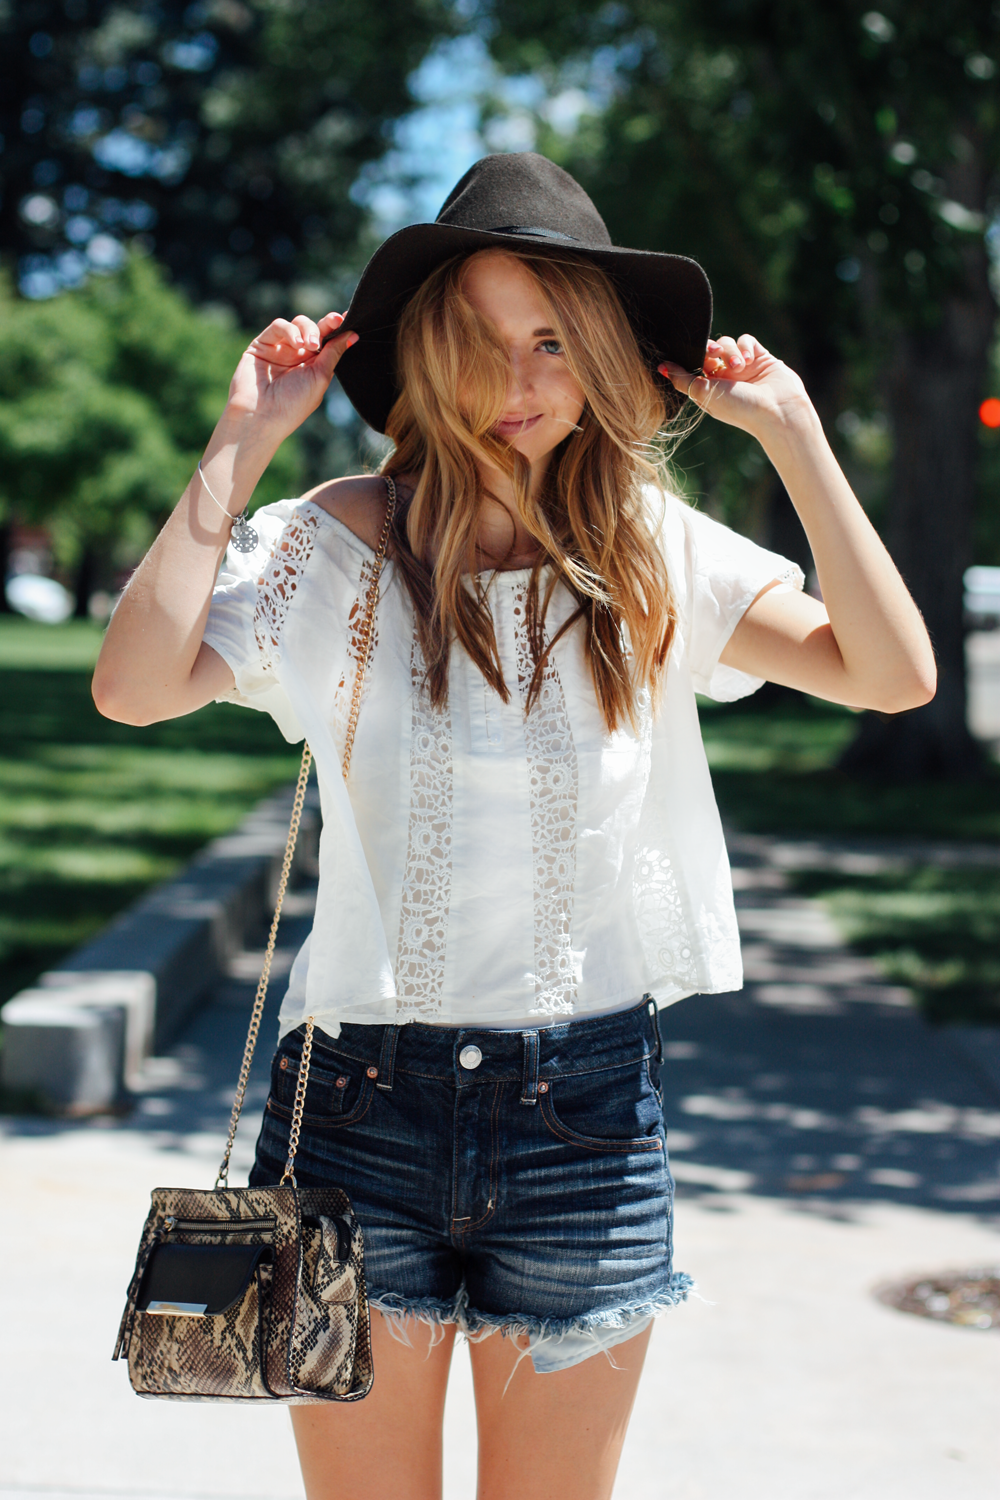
(578, 1106)
(335, 1094)
(281, 1101)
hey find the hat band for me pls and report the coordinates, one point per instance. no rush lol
(548, 234)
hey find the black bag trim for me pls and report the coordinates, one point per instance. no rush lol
(193, 1280)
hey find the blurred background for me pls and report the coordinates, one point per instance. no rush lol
(173, 175)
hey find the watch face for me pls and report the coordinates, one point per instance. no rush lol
(244, 538)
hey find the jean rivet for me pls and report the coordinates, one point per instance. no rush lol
(341, 1082)
(283, 1063)
(543, 1088)
(372, 1072)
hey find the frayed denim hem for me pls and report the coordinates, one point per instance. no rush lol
(553, 1343)
(435, 1313)
(513, 1325)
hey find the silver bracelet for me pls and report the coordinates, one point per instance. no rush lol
(244, 538)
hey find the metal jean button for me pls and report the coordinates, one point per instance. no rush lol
(470, 1057)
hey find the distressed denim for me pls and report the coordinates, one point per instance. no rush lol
(529, 1193)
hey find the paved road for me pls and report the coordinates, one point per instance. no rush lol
(823, 1139)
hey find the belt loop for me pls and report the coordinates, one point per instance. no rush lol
(654, 1016)
(387, 1058)
(529, 1080)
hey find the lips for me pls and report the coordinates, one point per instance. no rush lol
(516, 426)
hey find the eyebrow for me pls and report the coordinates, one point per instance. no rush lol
(543, 333)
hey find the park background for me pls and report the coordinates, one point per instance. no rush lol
(174, 175)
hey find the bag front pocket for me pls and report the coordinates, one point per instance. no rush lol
(325, 1339)
(199, 1322)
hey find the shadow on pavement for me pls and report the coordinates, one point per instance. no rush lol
(868, 1103)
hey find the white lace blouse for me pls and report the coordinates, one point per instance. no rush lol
(483, 866)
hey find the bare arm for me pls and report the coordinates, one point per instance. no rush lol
(153, 663)
(865, 645)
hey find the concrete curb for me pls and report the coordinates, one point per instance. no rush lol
(80, 1035)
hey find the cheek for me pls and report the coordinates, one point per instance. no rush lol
(570, 395)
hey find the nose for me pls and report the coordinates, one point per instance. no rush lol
(520, 385)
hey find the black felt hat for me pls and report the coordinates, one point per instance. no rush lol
(511, 199)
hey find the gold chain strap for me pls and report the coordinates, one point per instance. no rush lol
(367, 630)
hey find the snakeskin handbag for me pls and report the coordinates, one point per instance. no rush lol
(257, 1294)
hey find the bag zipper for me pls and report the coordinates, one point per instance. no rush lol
(215, 1226)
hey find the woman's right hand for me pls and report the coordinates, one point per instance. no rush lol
(285, 372)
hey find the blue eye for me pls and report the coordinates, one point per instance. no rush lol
(551, 346)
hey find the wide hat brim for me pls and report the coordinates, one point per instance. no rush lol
(667, 299)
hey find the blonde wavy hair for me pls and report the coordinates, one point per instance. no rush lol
(591, 518)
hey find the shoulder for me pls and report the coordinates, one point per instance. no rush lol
(357, 502)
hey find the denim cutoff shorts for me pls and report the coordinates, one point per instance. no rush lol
(504, 1180)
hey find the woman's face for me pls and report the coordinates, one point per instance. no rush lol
(544, 400)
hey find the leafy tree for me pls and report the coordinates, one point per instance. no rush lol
(108, 395)
(836, 169)
(226, 134)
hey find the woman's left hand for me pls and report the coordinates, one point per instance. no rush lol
(742, 384)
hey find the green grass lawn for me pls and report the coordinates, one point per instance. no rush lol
(935, 930)
(92, 813)
(774, 772)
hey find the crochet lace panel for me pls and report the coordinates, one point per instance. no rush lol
(552, 785)
(344, 694)
(426, 894)
(277, 584)
(666, 941)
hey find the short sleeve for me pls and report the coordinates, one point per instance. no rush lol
(722, 574)
(231, 628)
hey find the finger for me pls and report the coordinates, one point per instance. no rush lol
(308, 332)
(329, 324)
(747, 345)
(728, 353)
(333, 348)
(715, 358)
(694, 384)
(280, 333)
(281, 343)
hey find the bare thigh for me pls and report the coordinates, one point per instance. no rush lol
(388, 1446)
(557, 1435)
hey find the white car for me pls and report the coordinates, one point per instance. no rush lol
(38, 598)
(982, 598)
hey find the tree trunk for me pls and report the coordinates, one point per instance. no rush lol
(86, 577)
(935, 385)
(5, 535)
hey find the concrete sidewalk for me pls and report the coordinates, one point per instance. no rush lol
(823, 1139)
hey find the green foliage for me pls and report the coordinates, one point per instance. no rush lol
(108, 395)
(226, 133)
(934, 930)
(92, 812)
(833, 167)
(774, 770)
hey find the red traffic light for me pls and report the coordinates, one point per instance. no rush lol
(989, 412)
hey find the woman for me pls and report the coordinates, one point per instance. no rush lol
(527, 856)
